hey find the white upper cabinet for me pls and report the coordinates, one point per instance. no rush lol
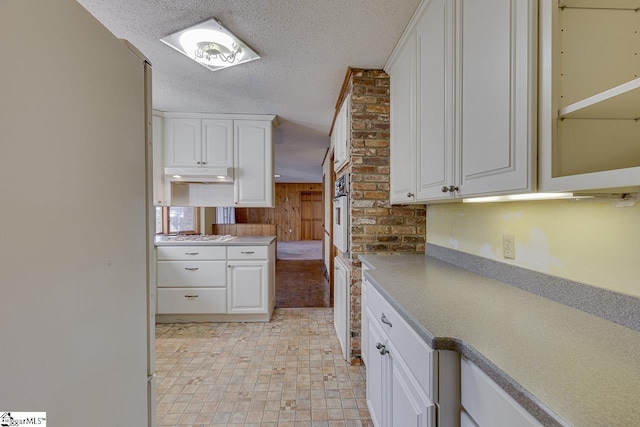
(254, 183)
(217, 143)
(496, 116)
(182, 142)
(463, 101)
(195, 142)
(589, 95)
(221, 159)
(435, 142)
(341, 135)
(159, 187)
(402, 92)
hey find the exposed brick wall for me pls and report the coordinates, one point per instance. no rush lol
(376, 225)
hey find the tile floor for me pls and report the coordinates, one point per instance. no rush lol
(287, 373)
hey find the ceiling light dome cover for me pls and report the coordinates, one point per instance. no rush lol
(211, 44)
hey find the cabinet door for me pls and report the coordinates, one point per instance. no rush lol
(409, 406)
(497, 95)
(217, 143)
(342, 130)
(376, 371)
(158, 164)
(247, 286)
(364, 320)
(254, 183)
(435, 138)
(487, 403)
(182, 142)
(340, 305)
(402, 91)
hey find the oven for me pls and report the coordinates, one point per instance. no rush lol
(341, 214)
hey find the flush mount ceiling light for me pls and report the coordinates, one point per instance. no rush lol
(212, 45)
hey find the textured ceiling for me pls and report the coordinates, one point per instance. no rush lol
(305, 45)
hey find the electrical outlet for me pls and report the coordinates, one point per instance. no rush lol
(508, 246)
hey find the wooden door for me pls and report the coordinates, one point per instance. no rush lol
(311, 215)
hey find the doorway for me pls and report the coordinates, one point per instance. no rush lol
(311, 215)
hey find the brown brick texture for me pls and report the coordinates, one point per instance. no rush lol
(376, 225)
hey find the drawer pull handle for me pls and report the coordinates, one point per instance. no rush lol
(247, 252)
(382, 349)
(192, 253)
(384, 320)
(191, 296)
(191, 268)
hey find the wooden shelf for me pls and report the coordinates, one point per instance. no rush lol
(620, 102)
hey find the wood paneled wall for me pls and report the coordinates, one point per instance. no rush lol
(287, 213)
(245, 229)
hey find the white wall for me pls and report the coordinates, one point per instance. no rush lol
(588, 241)
(72, 218)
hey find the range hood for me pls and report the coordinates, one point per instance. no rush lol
(199, 175)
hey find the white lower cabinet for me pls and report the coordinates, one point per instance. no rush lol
(215, 283)
(341, 306)
(409, 405)
(192, 300)
(376, 370)
(395, 394)
(485, 404)
(247, 286)
(191, 280)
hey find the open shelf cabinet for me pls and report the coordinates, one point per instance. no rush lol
(589, 95)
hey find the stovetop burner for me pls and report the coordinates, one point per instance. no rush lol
(199, 238)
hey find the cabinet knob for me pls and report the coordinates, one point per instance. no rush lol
(191, 253)
(204, 163)
(191, 268)
(444, 189)
(247, 252)
(191, 296)
(199, 163)
(409, 194)
(452, 188)
(382, 349)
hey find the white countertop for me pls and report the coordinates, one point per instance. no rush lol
(241, 240)
(565, 366)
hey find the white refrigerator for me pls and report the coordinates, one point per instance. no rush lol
(76, 276)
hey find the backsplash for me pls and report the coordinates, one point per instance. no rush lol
(588, 241)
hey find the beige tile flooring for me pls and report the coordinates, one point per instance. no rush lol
(288, 372)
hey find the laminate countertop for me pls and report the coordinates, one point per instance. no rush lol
(563, 365)
(236, 241)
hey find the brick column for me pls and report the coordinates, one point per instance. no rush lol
(376, 225)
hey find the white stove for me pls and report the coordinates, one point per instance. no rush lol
(198, 238)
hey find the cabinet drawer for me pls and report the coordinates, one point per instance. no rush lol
(419, 357)
(192, 301)
(181, 253)
(487, 403)
(175, 274)
(248, 252)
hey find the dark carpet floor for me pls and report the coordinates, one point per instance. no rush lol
(301, 284)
